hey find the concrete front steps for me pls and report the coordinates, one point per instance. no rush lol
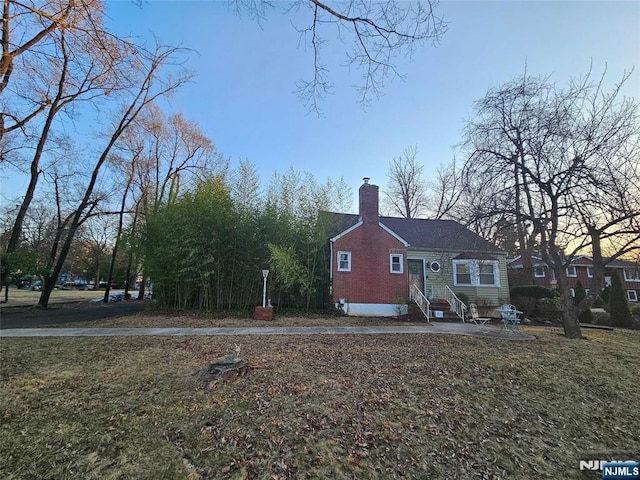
(440, 305)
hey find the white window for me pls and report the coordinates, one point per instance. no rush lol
(587, 292)
(589, 272)
(396, 263)
(462, 273)
(573, 292)
(538, 272)
(632, 295)
(571, 271)
(487, 274)
(632, 274)
(344, 261)
(482, 273)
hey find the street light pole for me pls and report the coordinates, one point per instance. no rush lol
(265, 274)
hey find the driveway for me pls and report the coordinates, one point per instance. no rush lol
(32, 317)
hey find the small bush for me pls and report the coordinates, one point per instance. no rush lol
(581, 294)
(635, 309)
(606, 292)
(586, 316)
(527, 305)
(463, 297)
(549, 309)
(602, 318)
(533, 291)
(401, 305)
(484, 302)
(598, 302)
(414, 314)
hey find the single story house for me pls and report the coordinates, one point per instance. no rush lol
(377, 262)
(581, 268)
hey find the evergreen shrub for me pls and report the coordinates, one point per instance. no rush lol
(618, 306)
(549, 309)
(533, 291)
(585, 316)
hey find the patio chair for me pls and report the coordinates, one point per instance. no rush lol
(475, 317)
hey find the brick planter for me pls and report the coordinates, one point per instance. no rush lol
(263, 313)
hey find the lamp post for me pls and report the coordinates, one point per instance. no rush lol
(265, 274)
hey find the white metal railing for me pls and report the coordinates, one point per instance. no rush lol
(423, 302)
(457, 305)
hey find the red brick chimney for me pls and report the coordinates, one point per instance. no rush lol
(368, 194)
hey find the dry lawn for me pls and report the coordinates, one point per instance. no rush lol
(21, 298)
(155, 319)
(334, 407)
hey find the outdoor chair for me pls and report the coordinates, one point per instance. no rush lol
(475, 317)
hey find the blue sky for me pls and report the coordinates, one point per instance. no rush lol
(243, 95)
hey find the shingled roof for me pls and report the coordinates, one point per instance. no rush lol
(423, 234)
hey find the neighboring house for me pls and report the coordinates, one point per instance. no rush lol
(376, 261)
(581, 268)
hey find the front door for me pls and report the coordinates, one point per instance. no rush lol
(416, 273)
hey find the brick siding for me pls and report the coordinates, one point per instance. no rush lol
(370, 279)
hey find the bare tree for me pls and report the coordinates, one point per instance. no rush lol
(25, 25)
(406, 192)
(378, 33)
(609, 210)
(164, 155)
(445, 191)
(539, 150)
(72, 59)
(149, 86)
(176, 152)
(75, 61)
(85, 72)
(127, 168)
(169, 154)
(94, 243)
(31, 33)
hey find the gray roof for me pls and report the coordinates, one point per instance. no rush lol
(424, 234)
(618, 263)
(608, 262)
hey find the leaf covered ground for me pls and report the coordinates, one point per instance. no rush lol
(334, 406)
(154, 319)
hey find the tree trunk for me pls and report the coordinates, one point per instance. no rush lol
(34, 169)
(128, 277)
(570, 321)
(142, 287)
(114, 254)
(5, 283)
(47, 287)
(597, 283)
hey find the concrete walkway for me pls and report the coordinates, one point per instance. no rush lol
(435, 328)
